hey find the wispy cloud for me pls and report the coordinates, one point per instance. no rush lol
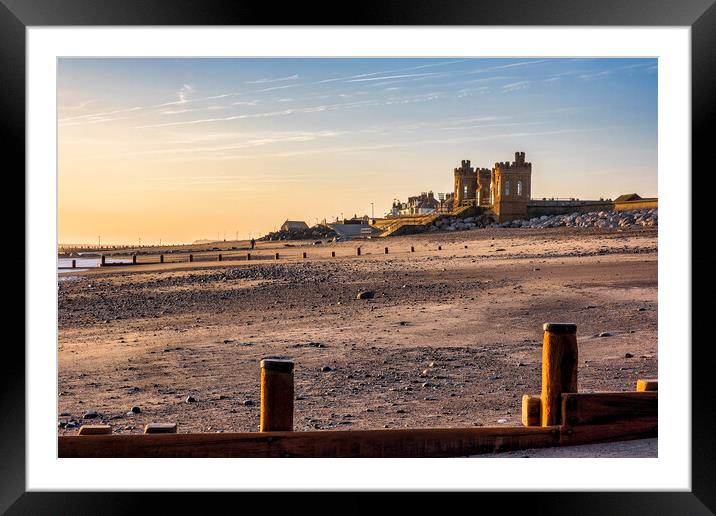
(279, 79)
(515, 86)
(507, 66)
(595, 75)
(272, 88)
(184, 93)
(383, 78)
(382, 73)
(245, 141)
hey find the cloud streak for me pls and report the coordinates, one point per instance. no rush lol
(267, 81)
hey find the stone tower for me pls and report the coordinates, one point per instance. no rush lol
(484, 179)
(465, 185)
(511, 188)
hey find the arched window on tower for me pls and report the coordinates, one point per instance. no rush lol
(507, 188)
(519, 187)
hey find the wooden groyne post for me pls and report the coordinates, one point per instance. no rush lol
(333, 254)
(248, 257)
(74, 264)
(559, 369)
(277, 256)
(276, 395)
(104, 260)
(386, 250)
(161, 258)
(358, 251)
(304, 255)
(134, 259)
(220, 257)
(191, 257)
(412, 249)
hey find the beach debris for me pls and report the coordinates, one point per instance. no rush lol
(366, 294)
(190, 399)
(90, 414)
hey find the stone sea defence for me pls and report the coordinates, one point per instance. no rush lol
(600, 219)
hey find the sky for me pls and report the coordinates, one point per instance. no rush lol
(175, 150)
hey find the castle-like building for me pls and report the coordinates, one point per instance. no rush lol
(505, 189)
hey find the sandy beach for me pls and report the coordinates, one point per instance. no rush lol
(452, 337)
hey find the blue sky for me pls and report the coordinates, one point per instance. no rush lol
(313, 138)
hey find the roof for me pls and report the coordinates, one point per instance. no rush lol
(628, 197)
(295, 224)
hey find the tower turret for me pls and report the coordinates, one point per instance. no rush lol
(511, 188)
(465, 184)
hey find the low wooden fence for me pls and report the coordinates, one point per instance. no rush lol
(172, 258)
(558, 416)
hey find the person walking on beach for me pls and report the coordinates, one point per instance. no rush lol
(253, 244)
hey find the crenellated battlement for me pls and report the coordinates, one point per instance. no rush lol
(465, 168)
(518, 163)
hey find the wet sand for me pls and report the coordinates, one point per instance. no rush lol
(152, 335)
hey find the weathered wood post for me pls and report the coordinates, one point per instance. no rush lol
(412, 249)
(386, 250)
(161, 258)
(304, 254)
(277, 256)
(559, 369)
(440, 248)
(647, 385)
(104, 260)
(134, 259)
(358, 251)
(531, 410)
(276, 395)
(74, 264)
(95, 430)
(191, 257)
(333, 254)
(219, 257)
(248, 256)
(160, 428)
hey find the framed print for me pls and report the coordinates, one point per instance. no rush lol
(292, 251)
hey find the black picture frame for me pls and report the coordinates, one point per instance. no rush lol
(700, 15)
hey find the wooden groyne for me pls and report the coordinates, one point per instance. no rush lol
(558, 416)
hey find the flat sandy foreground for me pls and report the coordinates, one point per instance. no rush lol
(152, 335)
